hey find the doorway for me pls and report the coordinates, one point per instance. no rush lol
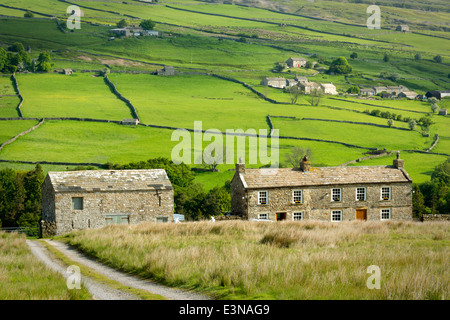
(281, 216)
(361, 214)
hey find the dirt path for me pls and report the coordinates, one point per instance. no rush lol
(124, 278)
(97, 290)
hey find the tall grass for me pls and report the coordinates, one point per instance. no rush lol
(289, 260)
(22, 277)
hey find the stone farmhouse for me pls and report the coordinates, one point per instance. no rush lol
(296, 62)
(275, 82)
(411, 95)
(327, 193)
(74, 200)
(133, 32)
(402, 28)
(395, 90)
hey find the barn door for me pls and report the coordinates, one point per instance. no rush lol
(117, 219)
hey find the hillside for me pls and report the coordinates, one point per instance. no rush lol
(220, 53)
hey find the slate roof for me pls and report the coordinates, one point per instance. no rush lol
(109, 180)
(273, 178)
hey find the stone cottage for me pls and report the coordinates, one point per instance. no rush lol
(296, 62)
(95, 198)
(326, 193)
(274, 82)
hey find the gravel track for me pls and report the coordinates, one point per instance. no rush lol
(121, 277)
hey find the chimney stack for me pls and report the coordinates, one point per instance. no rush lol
(399, 163)
(305, 165)
(240, 167)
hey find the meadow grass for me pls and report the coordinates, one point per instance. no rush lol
(10, 128)
(8, 106)
(288, 260)
(23, 277)
(79, 95)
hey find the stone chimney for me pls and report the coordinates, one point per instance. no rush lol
(399, 163)
(240, 167)
(305, 165)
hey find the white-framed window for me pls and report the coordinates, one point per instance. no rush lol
(385, 214)
(77, 203)
(263, 216)
(336, 194)
(263, 197)
(297, 216)
(360, 194)
(297, 196)
(385, 193)
(336, 215)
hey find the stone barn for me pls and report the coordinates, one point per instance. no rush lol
(76, 200)
(323, 193)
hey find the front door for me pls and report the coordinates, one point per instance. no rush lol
(361, 214)
(281, 216)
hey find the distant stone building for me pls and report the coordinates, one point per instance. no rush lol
(402, 28)
(394, 90)
(67, 72)
(95, 198)
(326, 193)
(329, 88)
(367, 92)
(275, 82)
(130, 122)
(166, 71)
(308, 87)
(442, 112)
(411, 95)
(296, 62)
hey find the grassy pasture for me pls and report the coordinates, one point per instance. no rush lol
(287, 260)
(79, 95)
(10, 128)
(23, 277)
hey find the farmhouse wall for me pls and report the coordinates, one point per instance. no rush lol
(317, 204)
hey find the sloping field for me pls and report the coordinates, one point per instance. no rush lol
(79, 95)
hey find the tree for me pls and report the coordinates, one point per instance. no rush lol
(3, 59)
(122, 23)
(412, 124)
(315, 96)
(296, 155)
(390, 123)
(44, 62)
(418, 202)
(437, 59)
(434, 107)
(308, 65)
(28, 14)
(418, 56)
(354, 89)
(354, 55)
(340, 66)
(147, 24)
(386, 57)
(294, 93)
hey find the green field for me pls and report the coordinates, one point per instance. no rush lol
(78, 95)
(195, 40)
